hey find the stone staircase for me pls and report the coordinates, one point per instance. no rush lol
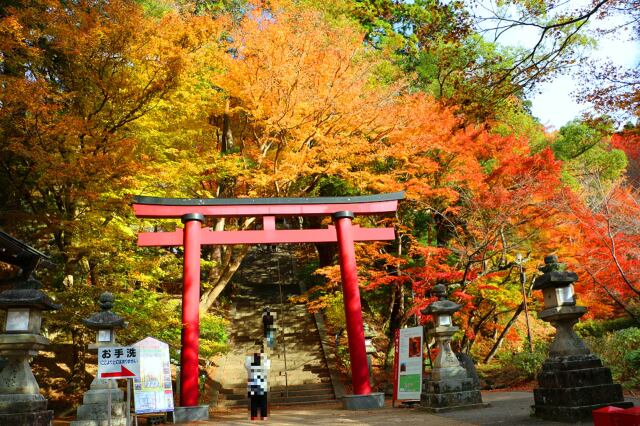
(299, 373)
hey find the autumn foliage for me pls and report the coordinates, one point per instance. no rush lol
(102, 99)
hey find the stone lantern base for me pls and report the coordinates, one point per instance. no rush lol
(24, 410)
(571, 387)
(449, 394)
(95, 408)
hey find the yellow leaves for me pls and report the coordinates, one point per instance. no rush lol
(11, 35)
(303, 86)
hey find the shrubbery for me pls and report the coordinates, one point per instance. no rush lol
(619, 351)
(526, 364)
(214, 337)
(600, 328)
(152, 314)
(334, 311)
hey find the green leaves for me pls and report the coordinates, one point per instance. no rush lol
(589, 159)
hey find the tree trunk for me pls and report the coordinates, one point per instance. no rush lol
(78, 370)
(497, 345)
(326, 251)
(397, 310)
(467, 343)
(227, 134)
(210, 295)
(326, 254)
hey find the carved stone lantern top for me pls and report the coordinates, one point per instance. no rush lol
(556, 284)
(442, 306)
(26, 291)
(27, 298)
(105, 320)
(554, 274)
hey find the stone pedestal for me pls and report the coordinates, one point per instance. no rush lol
(449, 388)
(20, 401)
(372, 401)
(571, 387)
(24, 410)
(191, 414)
(103, 396)
(94, 410)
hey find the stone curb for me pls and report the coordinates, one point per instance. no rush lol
(220, 370)
(329, 356)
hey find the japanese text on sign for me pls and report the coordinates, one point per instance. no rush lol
(118, 362)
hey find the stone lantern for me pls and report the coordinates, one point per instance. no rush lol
(95, 410)
(448, 386)
(20, 401)
(573, 381)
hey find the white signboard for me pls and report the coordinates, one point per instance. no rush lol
(118, 362)
(152, 391)
(409, 374)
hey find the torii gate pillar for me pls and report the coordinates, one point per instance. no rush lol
(352, 306)
(190, 310)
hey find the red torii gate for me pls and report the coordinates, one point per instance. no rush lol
(193, 236)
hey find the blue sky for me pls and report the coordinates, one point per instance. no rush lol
(556, 105)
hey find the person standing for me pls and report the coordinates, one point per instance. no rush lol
(257, 366)
(268, 319)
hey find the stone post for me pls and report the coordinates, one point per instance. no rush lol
(573, 381)
(95, 410)
(448, 387)
(369, 334)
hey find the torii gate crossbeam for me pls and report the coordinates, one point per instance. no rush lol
(192, 213)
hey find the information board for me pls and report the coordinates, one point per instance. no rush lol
(408, 364)
(152, 391)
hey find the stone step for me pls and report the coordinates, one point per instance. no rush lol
(276, 400)
(100, 411)
(310, 386)
(117, 421)
(317, 402)
(311, 399)
(328, 392)
(279, 384)
(310, 381)
(315, 387)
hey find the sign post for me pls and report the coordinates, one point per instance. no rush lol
(118, 362)
(408, 364)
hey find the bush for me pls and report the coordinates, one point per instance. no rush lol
(214, 337)
(620, 351)
(152, 314)
(334, 311)
(600, 328)
(524, 363)
(149, 314)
